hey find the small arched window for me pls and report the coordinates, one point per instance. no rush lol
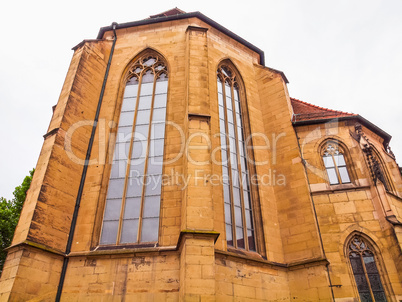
(335, 165)
(365, 271)
(236, 185)
(134, 191)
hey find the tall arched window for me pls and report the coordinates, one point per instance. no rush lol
(365, 270)
(133, 196)
(335, 164)
(236, 185)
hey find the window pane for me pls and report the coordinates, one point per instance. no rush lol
(237, 104)
(159, 115)
(124, 134)
(221, 111)
(240, 237)
(134, 187)
(141, 132)
(143, 117)
(150, 227)
(118, 169)
(232, 144)
(112, 210)
(146, 88)
(228, 92)
(224, 157)
(126, 118)
(238, 217)
(231, 130)
(155, 165)
(129, 103)
(344, 174)
(132, 208)
(219, 86)
(161, 87)
(339, 160)
(139, 149)
(121, 151)
(226, 193)
(153, 185)
(236, 196)
(109, 232)
(220, 98)
(228, 215)
(137, 167)
(129, 231)
(115, 189)
(328, 161)
(379, 297)
(130, 91)
(222, 130)
(251, 242)
(157, 130)
(246, 197)
(145, 102)
(249, 225)
(333, 179)
(229, 116)
(160, 100)
(152, 206)
(156, 147)
(229, 236)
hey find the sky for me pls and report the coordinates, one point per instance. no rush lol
(344, 55)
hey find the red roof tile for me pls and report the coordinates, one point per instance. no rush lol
(307, 112)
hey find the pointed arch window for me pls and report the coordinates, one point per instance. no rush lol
(365, 271)
(236, 186)
(335, 164)
(134, 192)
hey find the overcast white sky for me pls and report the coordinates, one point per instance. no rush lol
(344, 55)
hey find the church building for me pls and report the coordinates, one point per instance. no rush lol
(177, 167)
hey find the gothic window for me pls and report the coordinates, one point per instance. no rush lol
(236, 185)
(335, 164)
(365, 271)
(134, 192)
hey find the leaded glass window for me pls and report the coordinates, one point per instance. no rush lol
(236, 185)
(134, 192)
(365, 270)
(335, 164)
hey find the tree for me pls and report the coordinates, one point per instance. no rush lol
(10, 211)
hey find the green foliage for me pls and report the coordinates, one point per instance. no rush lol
(10, 211)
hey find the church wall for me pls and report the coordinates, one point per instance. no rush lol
(192, 260)
(350, 208)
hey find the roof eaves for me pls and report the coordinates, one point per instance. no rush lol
(281, 73)
(358, 118)
(186, 16)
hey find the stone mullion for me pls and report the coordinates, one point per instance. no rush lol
(239, 171)
(146, 162)
(123, 201)
(234, 239)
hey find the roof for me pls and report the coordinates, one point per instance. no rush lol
(306, 114)
(170, 12)
(177, 14)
